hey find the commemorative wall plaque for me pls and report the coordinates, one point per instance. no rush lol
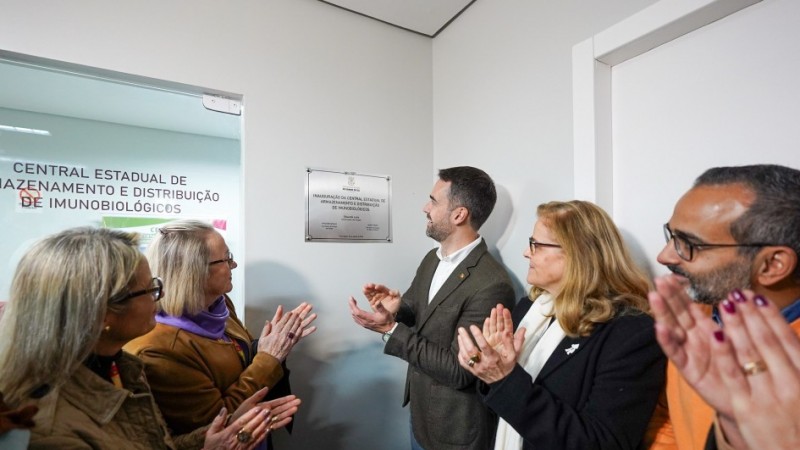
(348, 207)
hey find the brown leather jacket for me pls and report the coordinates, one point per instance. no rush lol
(90, 412)
(192, 377)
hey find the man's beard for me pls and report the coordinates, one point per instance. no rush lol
(713, 287)
(438, 231)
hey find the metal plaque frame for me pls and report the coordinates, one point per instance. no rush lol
(348, 207)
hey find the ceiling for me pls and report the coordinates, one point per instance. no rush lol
(426, 17)
(66, 90)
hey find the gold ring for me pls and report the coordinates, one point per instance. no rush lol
(244, 436)
(274, 419)
(474, 359)
(754, 367)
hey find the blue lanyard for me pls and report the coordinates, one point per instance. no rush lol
(792, 312)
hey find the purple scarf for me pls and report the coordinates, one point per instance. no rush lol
(210, 323)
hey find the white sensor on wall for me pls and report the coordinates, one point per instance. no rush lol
(223, 105)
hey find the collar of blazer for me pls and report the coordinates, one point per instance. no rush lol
(459, 275)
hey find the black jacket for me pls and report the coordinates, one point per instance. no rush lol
(600, 396)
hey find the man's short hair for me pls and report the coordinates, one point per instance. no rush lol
(473, 189)
(774, 216)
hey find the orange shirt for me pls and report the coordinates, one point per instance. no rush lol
(688, 416)
(684, 419)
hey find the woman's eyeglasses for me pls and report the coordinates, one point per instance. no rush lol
(156, 290)
(228, 259)
(534, 243)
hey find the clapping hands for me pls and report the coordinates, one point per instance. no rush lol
(497, 346)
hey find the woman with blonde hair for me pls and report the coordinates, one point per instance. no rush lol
(583, 370)
(76, 298)
(200, 357)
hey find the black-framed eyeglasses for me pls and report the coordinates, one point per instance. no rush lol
(685, 249)
(156, 290)
(228, 259)
(533, 243)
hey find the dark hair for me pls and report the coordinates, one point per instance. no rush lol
(473, 189)
(774, 216)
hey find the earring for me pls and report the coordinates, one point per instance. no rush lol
(107, 328)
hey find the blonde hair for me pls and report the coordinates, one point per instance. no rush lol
(61, 291)
(179, 255)
(600, 278)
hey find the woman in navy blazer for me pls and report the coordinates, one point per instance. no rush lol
(583, 370)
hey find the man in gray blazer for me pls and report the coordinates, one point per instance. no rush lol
(456, 285)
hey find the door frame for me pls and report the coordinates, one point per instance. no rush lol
(592, 61)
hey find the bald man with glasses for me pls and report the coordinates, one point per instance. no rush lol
(737, 228)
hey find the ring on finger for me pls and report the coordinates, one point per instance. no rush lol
(244, 436)
(474, 359)
(290, 335)
(754, 367)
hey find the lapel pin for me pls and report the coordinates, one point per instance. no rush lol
(461, 275)
(572, 349)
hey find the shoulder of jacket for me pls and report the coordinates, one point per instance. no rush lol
(161, 337)
(487, 265)
(633, 316)
(628, 324)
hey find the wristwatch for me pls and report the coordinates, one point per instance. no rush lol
(388, 334)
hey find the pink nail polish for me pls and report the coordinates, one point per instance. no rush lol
(728, 306)
(738, 296)
(760, 300)
(719, 336)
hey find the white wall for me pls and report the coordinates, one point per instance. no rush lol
(502, 101)
(322, 88)
(725, 94)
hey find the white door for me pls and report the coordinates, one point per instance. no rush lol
(725, 94)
